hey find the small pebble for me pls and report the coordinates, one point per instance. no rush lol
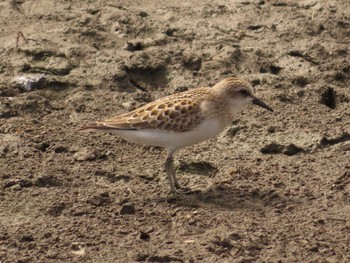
(85, 155)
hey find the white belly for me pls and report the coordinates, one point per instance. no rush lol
(173, 140)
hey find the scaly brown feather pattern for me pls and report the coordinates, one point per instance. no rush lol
(178, 112)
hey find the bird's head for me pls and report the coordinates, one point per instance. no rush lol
(238, 92)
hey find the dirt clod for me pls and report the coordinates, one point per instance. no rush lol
(144, 235)
(272, 148)
(292, 149)
(47, 181)
(26, 238)
(276, 148)
(99, 200)
(127, 209)
(199, 167)
(85, 154)
(328, 98)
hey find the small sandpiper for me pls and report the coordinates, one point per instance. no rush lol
(181, 119)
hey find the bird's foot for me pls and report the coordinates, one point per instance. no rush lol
(181, 190)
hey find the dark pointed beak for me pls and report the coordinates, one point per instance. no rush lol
(260, 103)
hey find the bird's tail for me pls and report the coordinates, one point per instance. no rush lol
(92, 126)
(104, 127)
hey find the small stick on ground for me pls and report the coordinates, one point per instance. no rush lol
(17, 40)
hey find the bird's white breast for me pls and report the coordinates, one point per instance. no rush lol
(173, 140)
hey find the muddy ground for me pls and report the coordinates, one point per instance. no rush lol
(273, 187)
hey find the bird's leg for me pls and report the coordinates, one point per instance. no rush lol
(176, 183)
(170, 173)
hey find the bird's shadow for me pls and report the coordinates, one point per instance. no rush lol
(232, 198)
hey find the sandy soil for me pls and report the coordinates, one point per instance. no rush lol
(273, 187)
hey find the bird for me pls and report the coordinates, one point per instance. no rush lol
(181, 119)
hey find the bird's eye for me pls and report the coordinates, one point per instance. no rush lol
(244, 92)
